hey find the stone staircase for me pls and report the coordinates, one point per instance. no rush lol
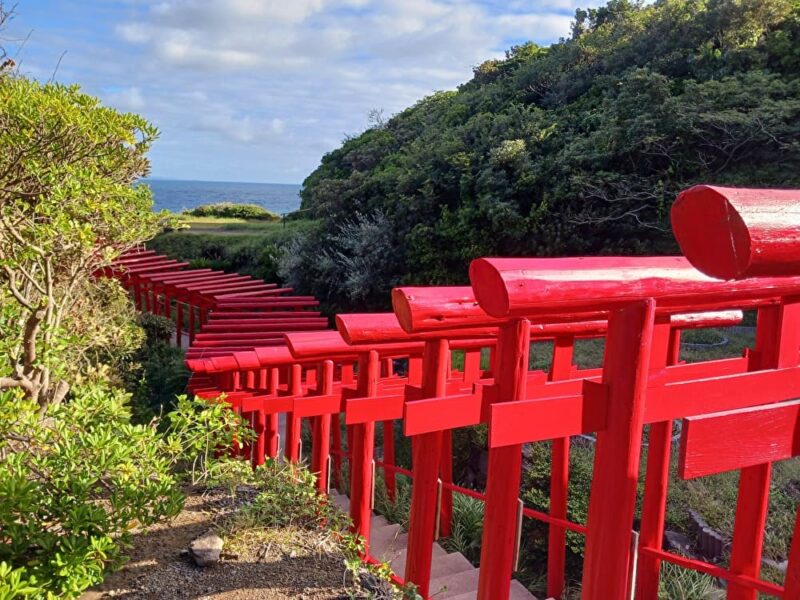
(452, 575)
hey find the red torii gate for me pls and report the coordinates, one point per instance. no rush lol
(418, 308)
(639, 384)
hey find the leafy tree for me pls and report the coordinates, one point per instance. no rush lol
(67, 208)
(577, 148)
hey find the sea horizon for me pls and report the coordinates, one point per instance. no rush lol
(178, 195)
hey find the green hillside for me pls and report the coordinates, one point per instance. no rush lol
(578, 148)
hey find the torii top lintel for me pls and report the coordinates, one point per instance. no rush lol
(508, 287)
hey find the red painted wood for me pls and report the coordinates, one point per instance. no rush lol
(293, 422)
(363, 449)
(748, 528)
(666, 350)
(617, 451)
(272, 432)
(560, 368)
(446, 475)
(331, 344)
(703, 567)
(428, 415)
(715, 394)
(437, 308)
(732, 233)
(544, 419)
(359, 328)
(776, 346)
(336, 452)
(549, 286)
(315, 406)
(792, 580)
(380, 408)
(503, 479)
(320, 448)
(735, 439)
(426, 449)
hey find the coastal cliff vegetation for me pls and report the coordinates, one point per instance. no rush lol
(575, 148)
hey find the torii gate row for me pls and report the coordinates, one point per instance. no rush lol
(221, 316)
(383, 328)
(429, 416)
(267, 304)
(157, 281)
(639, 292)
(218, 305)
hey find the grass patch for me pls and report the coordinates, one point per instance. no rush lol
(231, 245)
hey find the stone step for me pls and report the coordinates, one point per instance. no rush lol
(453, 585)
(387, 542)
(518, 592)
(452, 575)
(379, 521)
(398, 564)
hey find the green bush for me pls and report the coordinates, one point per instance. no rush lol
(74, 481)
(199, 430)
(231, 210)
(155, 373)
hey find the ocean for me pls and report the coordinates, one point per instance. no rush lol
(177, 195)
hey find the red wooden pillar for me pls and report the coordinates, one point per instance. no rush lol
(472, 365)
(362, 451)
(389, 476)
(561, 368)
(137, 295)
(503, 480)
(271, 433)
(178, 322)
(260, 443)
(616, 467)
(191, 309)
(415, 370)
(777, 343)
(446, 475)
(293, 423)
(666, 350)
(320, 449)
(148, 304)
(348, 378)
(167, 306)
(792, 581)
(425, 448)
(336, 475)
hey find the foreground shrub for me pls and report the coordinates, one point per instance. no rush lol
(73, 483)
(230, 210)
(156, 373)
(67, 209)
(199, 430)
(285, 508)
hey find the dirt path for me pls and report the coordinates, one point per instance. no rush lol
(281, 564)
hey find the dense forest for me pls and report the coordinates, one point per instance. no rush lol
(577, 148)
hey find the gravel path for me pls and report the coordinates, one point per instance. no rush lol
(285, 564)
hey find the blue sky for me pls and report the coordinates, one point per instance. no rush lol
(259, 90)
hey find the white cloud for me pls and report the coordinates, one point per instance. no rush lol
(129, 99)
(264, 87)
